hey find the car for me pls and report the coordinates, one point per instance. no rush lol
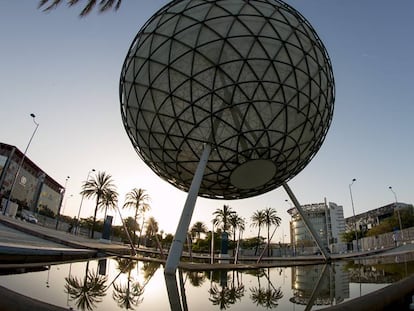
(32, 219)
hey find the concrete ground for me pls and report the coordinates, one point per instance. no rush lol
(21, 241)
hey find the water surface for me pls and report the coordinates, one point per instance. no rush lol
(120, 283)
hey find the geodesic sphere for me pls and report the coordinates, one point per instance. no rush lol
(250, 78)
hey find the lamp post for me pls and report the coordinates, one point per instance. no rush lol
(20, 164)
(61, 201)
(80, 206)
(353, 211)
(398, 211)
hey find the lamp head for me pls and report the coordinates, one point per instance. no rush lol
(32, 115)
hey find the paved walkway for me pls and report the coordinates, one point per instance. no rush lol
(21, 241)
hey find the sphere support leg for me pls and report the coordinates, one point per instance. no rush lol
(182, 228)
(325, 252)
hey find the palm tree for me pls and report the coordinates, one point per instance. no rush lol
(198, 228)
(104, 5)
(222, 217)
(236, 222)
(137, 199)
(271, 218)
(130, 226)
(109, 201)
(152, 227)
(97, 187)
(258, 220)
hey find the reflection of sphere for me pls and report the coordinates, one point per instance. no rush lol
(251, 78)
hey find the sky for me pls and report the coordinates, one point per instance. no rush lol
(66, 69)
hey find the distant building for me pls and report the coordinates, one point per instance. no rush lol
(374, 217)
(34, 189)
(327, 220)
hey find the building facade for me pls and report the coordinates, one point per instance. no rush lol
(374, 217)
(33, 189)
(328, 221)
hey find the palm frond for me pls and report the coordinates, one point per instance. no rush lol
(104, 5)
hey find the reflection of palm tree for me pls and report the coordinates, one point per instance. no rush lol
(149, 268)
(220, 297)
(236, 292)
(226, 296)
(196, 278)
(87, 293)
(267, 298)
(257, 295)
(128, 295)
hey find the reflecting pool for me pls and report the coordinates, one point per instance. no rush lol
(121, 283)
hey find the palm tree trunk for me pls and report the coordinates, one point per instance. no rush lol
(268, 241)
(106, 210)
(258, 242)
(140, 229)
(234, 242)
(135, 234)
(94, 217)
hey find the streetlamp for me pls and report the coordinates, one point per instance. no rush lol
(61, 201)
(80, 206)
(398, 211)
(20, 164)
(353, 211)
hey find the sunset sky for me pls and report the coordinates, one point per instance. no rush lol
(66, 69)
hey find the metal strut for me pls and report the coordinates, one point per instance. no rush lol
(182, 228)
(325, 252)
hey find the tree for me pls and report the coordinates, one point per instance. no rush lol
(131, 226)
(258, 220)
(104, 5)
(109, 201)
(137, 199)
(236, 222)
(271, 218)
(96, 187)
(222, 217)
(152, 227)
(198, 228)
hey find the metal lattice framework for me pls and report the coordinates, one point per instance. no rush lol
(250, 78)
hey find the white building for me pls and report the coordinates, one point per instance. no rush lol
(328, 221)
